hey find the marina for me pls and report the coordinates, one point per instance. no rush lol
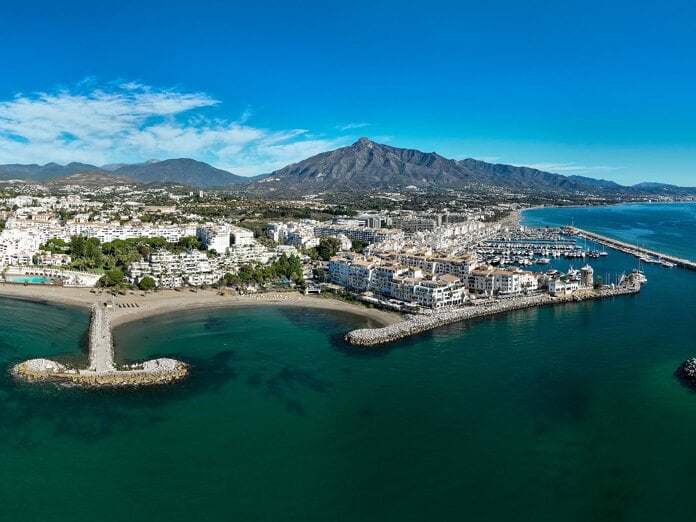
(643, 254)
(527, 246)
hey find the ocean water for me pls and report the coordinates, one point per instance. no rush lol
(664, 227)
(552, 414)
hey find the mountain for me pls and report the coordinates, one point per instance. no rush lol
(599, 183)
(183, 170)
(115, 166)
(521, 177)
(367, 165)
(91, 180)
(44, 172)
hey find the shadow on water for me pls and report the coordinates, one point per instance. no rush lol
(94, 414)
(684, 380)
(99, 413)
(288, 381)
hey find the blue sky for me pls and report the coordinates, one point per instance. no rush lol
(571, 87)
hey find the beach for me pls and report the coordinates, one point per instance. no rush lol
(137, 305)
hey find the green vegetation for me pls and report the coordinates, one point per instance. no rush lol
(147, 283)
(112, 278)
(113, 258)
(358, 246)
(599, 283)
(284, 268)
(327, 248)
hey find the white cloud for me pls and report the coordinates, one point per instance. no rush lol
(573, 168)
(130, 122)
(351, 126)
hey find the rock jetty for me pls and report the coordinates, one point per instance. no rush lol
(687, 371)
(415, 324)
(102, 370)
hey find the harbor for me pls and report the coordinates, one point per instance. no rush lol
(644, 254)
(102, 370)
(415, 324)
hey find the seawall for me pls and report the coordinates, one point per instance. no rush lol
(415, 324)
(633, 249)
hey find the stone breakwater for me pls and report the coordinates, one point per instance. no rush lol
(633, 250)
(102, 370)
(420, 323)
(687, 371)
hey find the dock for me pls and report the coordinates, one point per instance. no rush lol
(632, 249)
(102, 370)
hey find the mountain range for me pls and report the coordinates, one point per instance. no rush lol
(183, 170)
(361, 167)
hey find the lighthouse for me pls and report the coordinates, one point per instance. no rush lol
(587, 276)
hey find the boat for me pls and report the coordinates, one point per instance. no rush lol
(668, 264)
(639, 276)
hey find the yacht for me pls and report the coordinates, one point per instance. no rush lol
(639, 276)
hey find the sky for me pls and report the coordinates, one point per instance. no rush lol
(600, 89)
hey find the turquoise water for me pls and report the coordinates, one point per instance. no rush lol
(665, 227)
(553, 414)
(35, 280)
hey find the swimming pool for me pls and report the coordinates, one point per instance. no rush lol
(32, 280)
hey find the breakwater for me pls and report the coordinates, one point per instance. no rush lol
(415, 324)
(632, 249)
(102, 371)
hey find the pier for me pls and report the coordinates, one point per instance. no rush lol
(632, 249)
(102, 370)
(415, 324)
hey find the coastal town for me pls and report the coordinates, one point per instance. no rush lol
(400, 260)
(433, 266)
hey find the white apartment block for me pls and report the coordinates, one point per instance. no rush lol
(368, 235)
(221, 237)
(487, 280)
(360, 274)
(107, 232)
(176, 270)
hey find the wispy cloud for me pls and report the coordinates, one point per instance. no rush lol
(351, 126)
(574, 168)
(131, 121)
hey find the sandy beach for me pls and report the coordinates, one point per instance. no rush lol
(167, 301)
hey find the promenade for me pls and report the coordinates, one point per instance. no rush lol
(633, 249)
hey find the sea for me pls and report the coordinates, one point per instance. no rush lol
(566, 413)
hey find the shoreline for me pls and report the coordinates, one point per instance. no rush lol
(369, 337)
(171, 301)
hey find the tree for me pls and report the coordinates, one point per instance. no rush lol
(358, 246)
(147, 283)
(77, 247)
(113, 277)
(55, 245)
(190, 243)
(328, 247)
(599, 283)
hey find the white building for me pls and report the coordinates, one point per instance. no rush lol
(221, 237)
(411, 285)
(169, 270)
(489, 281)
